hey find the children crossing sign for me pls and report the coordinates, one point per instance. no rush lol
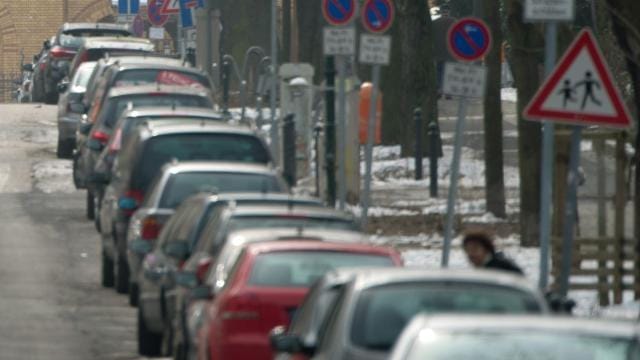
(580, 90)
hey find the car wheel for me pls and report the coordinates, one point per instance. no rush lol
(65, 149)
(107, 270)
(148, 342)
(90, 206)
(167, 341)
(133, 294)
(96, 212)
(121, 274)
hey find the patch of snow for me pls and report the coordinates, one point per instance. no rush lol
(377, 211)
(509, 94)
(586, 145)
(487, 218)
(54, 176)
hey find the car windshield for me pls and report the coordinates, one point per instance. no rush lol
(159, 76)
(516, 344)
(303, 268)
(182, 147)
(119, 104)
(182, 185)
(240, 222)
(73, 38)
(382, 312)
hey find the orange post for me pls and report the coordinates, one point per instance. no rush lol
(365, 101)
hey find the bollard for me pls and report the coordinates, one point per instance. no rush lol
(289, 148)
(317, 131)
(435, 151)
(226, 78)
(417, 116)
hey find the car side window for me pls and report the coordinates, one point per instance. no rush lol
(167, 230)
(187, 223)
(209, 232)
(331, 320)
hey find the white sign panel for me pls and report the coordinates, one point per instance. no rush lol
(339, 41)
(125, 18)
(375, 49)
(156, 33)
(549, 10)
(464, 80)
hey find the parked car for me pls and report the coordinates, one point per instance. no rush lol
(258, 286)
(376, 304)
(70, 109)
(41, 61)
(96, 130)
(95, 48)
(24, 88)
(64, 47)
(175, 244)
(149, 148)
(516, 337)
(175, 183)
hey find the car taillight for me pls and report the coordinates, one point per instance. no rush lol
(150, 228)
(100, 136)
(130, 201)
(58, 52)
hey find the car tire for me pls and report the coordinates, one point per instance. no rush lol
(121, 272)
(107, 271)
(65, 149)
(91, 213)
(148, 342)
(133, 294)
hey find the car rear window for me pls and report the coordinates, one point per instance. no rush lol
(303, 268)
(239, 222)
(182, 147)
(158, 76)
(97, 54)
(74, 38)
(119, 104)
(382, 312)
(182, 185)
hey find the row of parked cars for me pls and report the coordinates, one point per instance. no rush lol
(222, 261)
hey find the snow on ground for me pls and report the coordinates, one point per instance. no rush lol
(53, 176)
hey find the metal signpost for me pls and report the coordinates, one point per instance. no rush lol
(274, 132)
(469, 39)
(375, 49)
(550, 12)
(340, 42)
(579, 91)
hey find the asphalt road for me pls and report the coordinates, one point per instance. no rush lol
(51, 303)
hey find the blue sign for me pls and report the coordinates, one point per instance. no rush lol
(186, 12)
(469, 39)
(339, 12)
(378, 15)
(128, 7)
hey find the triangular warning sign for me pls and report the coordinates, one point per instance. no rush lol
(580, 90)
(170, 7)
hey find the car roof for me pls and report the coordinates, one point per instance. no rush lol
(284, 210)
(108, 42)
(143, 61)
(371, 277)
(167, 127)
(181, 111)
(207, 197)
(305, 245)
(158, 89)
(573, 325)
(245, 236)
(94, 26)
(212, 166)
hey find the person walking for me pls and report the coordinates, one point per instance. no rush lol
(481, 253)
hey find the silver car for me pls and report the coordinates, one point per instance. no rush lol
(516, 337)
(372, 307)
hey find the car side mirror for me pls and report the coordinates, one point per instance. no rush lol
(27, 67)
(178, 250)
(76, 108)
(202, 292)
(85, 128)
(283, 342)
(95, 145)
(62, 87)
(186, 279)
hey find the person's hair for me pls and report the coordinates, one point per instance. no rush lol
(480, 237)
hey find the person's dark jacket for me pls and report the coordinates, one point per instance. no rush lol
(500, 262)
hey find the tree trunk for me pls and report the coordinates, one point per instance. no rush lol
(246, 23)
(410, 80)
(493, 150)
(285, 54)
(310, 25)
(527, 48)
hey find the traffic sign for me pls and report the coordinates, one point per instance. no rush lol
(580, 90)
(128, 7)
(545, 10)
(378, 15)
(375, 49)
(187, 16)
(464, 80)
(469, 39)
(339, 12)
(339, 41)
(170, 7)
(153, 12)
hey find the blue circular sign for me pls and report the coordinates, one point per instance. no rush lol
(338, 12)
(378, 15)
(469, 39)
(153, 12)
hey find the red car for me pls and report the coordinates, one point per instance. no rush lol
(267, 282)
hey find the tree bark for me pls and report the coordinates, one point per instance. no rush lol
(527, 48)
(493, 147)
(310, 24)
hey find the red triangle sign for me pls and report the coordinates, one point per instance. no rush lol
(580, 90)
(170, 7)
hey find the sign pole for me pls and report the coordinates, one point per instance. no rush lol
(453, 183)
(275, 130)
(342, 131)
(371, 126)
(548, 144)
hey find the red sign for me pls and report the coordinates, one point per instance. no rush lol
(469, 39)
(339, 12)
(378, 15)
(153, 12)
(580, 90)
(170, 7)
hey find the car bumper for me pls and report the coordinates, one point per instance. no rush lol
(67, 127)
(151, 307)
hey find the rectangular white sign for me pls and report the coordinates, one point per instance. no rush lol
(339, 41)
(375, 49)
(464, 80)
(156, 33)
(549, 10)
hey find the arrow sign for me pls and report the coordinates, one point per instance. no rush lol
(580, 90)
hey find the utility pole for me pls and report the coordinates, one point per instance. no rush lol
(330, 130)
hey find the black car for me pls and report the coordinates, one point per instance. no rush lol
(150, 147)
